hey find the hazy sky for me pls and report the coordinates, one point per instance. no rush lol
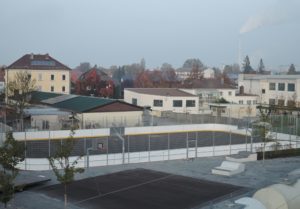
(117, 32)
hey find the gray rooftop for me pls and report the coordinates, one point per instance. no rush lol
(269, 77)
(161, 92)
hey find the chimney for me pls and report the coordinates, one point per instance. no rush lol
(47, 56)
(31, 56)
(222, 81)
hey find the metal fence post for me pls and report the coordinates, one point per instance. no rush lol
(196, 150)
(187, 145)
(168, 146)
(149, 137)
(213, 139)
(49, 147)
(230, 142)
(25, 151)
(107, 139)
(128, 148)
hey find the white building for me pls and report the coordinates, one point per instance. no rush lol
(282, 90)
(163, 99)
(208, 73)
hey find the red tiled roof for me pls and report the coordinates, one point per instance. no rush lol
(37, 61)
(93, 72)
(161, 92)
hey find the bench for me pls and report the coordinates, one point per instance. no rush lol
(228, 168)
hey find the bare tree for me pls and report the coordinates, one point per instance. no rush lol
(18, 93)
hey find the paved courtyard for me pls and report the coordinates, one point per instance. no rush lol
(257, 175)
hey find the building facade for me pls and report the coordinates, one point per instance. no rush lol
(281, 90)
(49, 74)
(163, 99)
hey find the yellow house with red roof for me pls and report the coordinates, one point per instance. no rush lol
(50, 75)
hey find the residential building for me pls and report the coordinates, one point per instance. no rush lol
(163, 99)
(90, 112)
(94, 82)
(281, 90)
(208, 73)
(2, 81)
(50, 75)
(210, 90)
(233, 110)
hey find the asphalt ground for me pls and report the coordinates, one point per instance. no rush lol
(138, 143)
(140, 188)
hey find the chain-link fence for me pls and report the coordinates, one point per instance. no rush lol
(112, 150)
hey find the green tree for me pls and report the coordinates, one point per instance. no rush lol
(19, 91)
(247, 66)
(193, 63)
(11, 154)
(262, 128)
(261, 67)
(63, 168)
(292, 70)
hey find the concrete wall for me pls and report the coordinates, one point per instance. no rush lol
(107, 119)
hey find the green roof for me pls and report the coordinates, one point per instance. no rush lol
(38, 96)
(82, 103)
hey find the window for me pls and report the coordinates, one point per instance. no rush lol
(157, 103)
(45, 124)
(40, 76)
(134, 101)
(291, 87)
(63, 77)
(221, 93)
(271, 101)
(229, 93)
(52, 88)
(63, 89)
(190, 103)
(254, 102)
(272, 86)
(281, 86)
(177, 103)
(248, 102)
(263, 91)
(241, 102)
(52, 77)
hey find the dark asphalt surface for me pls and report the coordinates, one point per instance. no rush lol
(140, 188)
(138, 143)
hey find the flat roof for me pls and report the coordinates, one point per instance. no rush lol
(264, 77)
(161, 92)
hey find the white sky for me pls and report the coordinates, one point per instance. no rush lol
(117, 32)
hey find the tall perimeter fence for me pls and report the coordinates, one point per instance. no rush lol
(119, 145)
